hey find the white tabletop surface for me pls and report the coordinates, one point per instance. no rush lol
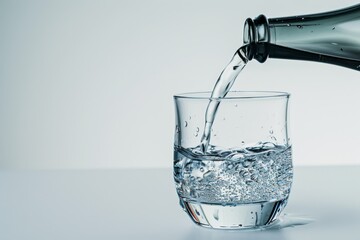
(142, 204)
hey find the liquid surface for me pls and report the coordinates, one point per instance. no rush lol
(237, 176)
(221, 88)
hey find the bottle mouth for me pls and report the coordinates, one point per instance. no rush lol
(257, 30)
(257, 37)
(249, 32)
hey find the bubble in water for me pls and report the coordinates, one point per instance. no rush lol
(217, 179)
(209, 174)
(237, 156)
(288, 24)
(197, 129)
(247, 163)
(358, 66)
(235, 67)
(243, 173)
(249, 182)
(224, 153)
(271, 131)
(302, 18)
(341, 49)
(263, 168)
(196, 134)
(177, 129)
(185, 124)
(254, 177)
(235, 105)
(188, 166)
(299, 26)
(333, 28)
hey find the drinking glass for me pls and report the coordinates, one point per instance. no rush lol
(243, 178)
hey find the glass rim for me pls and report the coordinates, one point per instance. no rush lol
(233, 95)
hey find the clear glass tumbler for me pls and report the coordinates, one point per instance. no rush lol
(243, 178)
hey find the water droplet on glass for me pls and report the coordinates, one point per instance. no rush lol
(271, 131)
(193, 193)
(197, 212)
(186, 124)
(201, 169)
(216, 214)
(189, 117)
(196, 134)
(197, 129)
(242, 142)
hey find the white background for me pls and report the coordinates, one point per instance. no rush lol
(89, 84)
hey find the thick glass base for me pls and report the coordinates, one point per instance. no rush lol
(237, 216)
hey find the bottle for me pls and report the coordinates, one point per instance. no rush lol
(330, 37)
